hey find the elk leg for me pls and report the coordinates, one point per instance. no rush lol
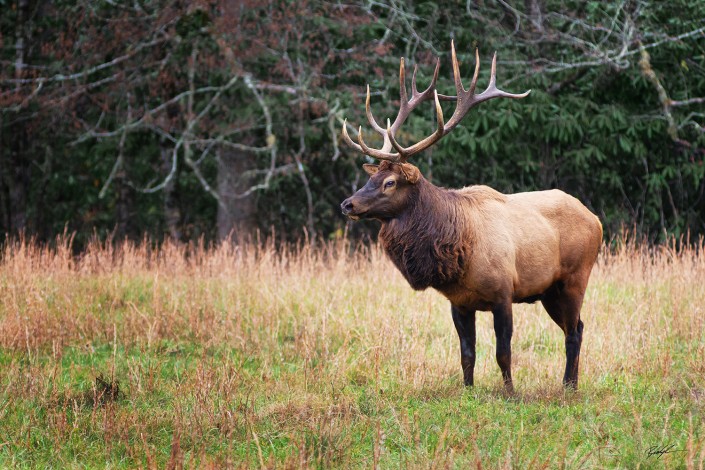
(563, 303)
(464, 321)
(573, 342)
(503, 332)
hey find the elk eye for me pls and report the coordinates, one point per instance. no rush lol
(389, 184)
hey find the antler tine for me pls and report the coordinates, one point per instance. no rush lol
(370, 117)
(387, 146)
(427, 92)
(456, 70)
(431, 86)
(414, 91)
(492, 91)
(468, 99)
(394, 142)
(493, 71)
(363, 148)
(405, 153)
(402, 84)
(347, 138)
(475, 75)
(378, 154)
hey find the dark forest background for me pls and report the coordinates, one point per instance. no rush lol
(206, 118)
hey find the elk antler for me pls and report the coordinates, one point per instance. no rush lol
(465, 99)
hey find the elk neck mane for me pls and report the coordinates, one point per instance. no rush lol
(431, 242)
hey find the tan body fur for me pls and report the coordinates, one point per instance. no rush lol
(522, 244)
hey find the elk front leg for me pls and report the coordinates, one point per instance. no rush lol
(464, 321)
(503, 328)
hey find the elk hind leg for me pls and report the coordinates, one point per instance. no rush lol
(563, 302)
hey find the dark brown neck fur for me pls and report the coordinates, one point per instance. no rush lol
(428, 242)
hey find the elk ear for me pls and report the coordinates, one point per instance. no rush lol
(370, 169)
(411, 173)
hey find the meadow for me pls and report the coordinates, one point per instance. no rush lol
(132, 355)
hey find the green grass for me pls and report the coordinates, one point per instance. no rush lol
(229, 358)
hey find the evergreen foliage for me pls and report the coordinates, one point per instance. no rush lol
(135, 118)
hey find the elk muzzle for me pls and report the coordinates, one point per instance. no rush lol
(347, 207)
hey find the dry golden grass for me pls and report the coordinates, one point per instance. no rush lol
(248, 356)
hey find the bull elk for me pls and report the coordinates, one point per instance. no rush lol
(483, 250)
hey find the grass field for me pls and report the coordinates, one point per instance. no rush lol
(245, 357)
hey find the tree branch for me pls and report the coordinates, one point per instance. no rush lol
(687, 102)
(74, 76)
(121, 155)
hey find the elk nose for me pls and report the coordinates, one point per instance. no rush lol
(346, 206)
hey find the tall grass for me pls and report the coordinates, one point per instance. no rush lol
(228, 356)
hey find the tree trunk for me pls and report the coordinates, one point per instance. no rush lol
(124, 206)
(18, 164)
(18, 177)
(533, 8)
(4, 191)
(172, 209)
(238, 218)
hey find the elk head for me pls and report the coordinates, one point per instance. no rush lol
(388, 191)
(392, 183)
